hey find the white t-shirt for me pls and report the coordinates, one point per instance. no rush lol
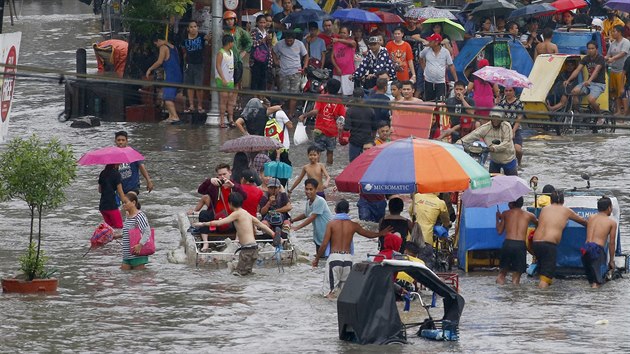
(283, 119)
(436, 65)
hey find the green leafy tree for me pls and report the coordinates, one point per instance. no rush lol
(37, 173)
(149, 17)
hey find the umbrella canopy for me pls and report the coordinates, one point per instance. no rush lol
(540, 9)
(493, 8)
(389, 18)
(304, 16)
(110, 155)
(251, 143)
(621, 5)
(454, 30)
(504, 189)
(568, 5)
(502, 76)
(412, 165)
(356, 15)
(424, 13)
(278, 169)
(471, 6)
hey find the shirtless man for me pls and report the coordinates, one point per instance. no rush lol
(339, 233)
(244, 224)
(551, 222)
(600, 228)
(546, 47)
(407, 93)
(314, 169)
(514, 223)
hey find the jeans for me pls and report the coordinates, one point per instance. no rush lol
(509, 169)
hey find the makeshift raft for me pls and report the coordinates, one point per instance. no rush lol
(222, 247)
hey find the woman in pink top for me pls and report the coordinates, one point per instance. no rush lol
(483, 92)
(343, 60)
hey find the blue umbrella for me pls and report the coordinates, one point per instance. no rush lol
(356, 15)
(533, 10)
(304, 16)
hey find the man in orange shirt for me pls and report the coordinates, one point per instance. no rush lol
(402, 56)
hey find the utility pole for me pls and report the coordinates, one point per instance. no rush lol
(217, 32)
(2, 2)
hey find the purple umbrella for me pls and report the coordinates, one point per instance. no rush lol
(621, 5)
(504, 189)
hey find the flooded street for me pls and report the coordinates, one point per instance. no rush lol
(177, 308)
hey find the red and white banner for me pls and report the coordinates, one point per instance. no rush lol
(9, 52)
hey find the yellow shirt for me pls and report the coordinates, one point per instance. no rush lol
(608, 26)
(404, 276)
(427, 209)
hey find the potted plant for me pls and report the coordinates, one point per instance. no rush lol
(37, 173)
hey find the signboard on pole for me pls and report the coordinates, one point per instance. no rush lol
(9, 52)
(409, 123)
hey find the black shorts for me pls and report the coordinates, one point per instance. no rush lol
(205, 216)
(546, 254)
(518, 137)
(513, 256)
(433, 92)
(594, 262)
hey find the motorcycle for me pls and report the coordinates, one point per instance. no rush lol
(316, 78)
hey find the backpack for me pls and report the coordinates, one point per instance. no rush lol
(256, 122)
(273, 129)
(261, 53)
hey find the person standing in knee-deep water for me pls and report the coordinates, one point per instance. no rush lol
(110, 186)
(135, 219)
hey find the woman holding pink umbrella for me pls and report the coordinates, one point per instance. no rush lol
(110, 187)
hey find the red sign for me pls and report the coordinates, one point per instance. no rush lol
(8, 84)
(408, 123)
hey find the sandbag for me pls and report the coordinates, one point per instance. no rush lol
(300, 136)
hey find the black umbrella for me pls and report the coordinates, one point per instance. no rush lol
(533, 10)
(304, 16)
(493, 8)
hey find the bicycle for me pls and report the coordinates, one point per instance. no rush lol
(443, 247)
(571, 123)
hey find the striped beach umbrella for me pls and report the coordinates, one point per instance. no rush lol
(412, 165)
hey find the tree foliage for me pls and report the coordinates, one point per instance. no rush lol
(149, 17)
(37, 173)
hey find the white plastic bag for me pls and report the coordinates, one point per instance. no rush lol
(300, 136)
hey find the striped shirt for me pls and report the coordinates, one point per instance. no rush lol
(138, 221)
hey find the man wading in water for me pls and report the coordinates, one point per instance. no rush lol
(245, 233)
(551, 223)
(600, 229)
(339, 233)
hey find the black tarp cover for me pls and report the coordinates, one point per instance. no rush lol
(366, 307)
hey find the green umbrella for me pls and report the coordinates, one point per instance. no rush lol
(452, 29)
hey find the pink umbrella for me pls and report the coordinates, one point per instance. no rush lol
(110, 155)
(502, 76)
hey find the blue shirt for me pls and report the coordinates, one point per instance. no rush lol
(130, 173)
(316, 48)
(319, 208)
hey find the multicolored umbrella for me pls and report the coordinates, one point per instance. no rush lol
(454, 30)
(110, 155)
(251, 143)
(502, 76)
(540, 9)
(389, 18)
(621, 5)
(412, 165)
(356, 15)
(428, 12)
(504, 189)
(568, 5)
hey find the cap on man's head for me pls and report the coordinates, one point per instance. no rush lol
(373, 39)
(273, 182)
(434, 37)
(496, 112)
(597, 22)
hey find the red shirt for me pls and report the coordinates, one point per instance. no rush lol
(401, 54)
(250, 204)
(327, 114)
(327, 39)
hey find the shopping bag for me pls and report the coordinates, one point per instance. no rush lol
(300, 136)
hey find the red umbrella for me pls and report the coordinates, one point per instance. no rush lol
(568, 5)
(389, 18)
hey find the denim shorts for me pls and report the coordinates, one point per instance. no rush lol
(595, 89)
(509, 169)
